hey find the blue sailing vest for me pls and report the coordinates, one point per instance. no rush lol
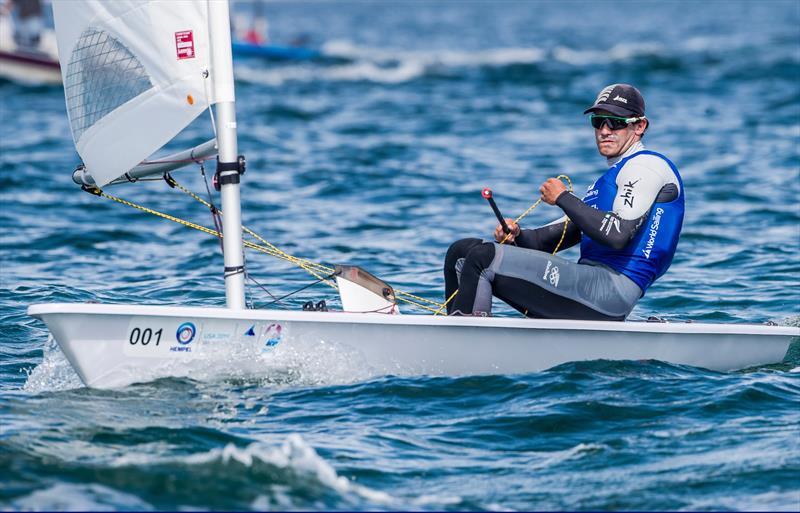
(649, 254)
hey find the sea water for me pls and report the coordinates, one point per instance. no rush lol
(376, 157)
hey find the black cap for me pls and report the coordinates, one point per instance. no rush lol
(619, 99)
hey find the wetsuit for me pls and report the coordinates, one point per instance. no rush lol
(627, 224)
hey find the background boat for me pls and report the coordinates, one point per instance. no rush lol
(33, 65)
(274, 52)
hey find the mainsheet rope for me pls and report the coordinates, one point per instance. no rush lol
(321, 272)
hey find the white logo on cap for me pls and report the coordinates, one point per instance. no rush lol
(619, 98)
(605, 93)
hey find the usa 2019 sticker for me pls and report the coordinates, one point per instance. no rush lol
(273, 336)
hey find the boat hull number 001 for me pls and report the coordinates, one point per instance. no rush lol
(144, 336)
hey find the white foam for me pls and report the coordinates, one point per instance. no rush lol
(54, 373)
(294, 455)
(573, 453)
(440, 500)
(79, 497)
(385, 66)
(767, 501)
(680, 433)
(620, 52)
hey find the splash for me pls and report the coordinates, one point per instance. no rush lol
(54, 373)
(293, 363)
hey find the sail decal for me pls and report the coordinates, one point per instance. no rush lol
(102, 74)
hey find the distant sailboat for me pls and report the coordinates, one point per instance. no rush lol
(275, 52)
(27, 60)
(251, 40)
(151, 67)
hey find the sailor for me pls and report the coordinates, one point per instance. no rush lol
(28, 23)
(627, 225)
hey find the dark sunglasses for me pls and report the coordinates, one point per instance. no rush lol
(613, 122)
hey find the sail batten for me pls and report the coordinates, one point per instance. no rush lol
(136, 72)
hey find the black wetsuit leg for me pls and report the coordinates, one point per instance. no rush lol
(457, 251)
(473, 281)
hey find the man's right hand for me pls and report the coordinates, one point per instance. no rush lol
(499, 234)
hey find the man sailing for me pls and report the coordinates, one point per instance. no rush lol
(627, 224)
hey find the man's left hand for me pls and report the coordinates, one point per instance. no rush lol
(551, 190)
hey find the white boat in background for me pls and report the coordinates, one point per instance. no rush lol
(34, 66)
(130, 65)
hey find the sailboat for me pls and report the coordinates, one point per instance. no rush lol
(160, 64)
(33, 64)
(275, 52)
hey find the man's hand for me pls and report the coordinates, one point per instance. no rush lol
(499, 234)
(551, 190)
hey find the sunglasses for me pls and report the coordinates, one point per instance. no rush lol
(613, 122)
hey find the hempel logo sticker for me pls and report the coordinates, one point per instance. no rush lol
(185, 333)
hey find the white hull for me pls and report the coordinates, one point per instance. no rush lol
(104, 343)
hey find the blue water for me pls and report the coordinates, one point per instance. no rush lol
(375, 157)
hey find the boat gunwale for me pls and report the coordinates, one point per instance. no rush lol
(42, 309)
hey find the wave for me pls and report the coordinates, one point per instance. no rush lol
(294, 462)
(551, 459)
(79, 497)
(288, 476)
(343, 49)
(345, 61)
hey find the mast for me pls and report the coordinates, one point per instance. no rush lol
(227, 166)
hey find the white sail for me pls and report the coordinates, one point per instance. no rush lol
(136, 72)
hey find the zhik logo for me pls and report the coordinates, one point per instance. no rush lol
(627, 193)
(619, 98)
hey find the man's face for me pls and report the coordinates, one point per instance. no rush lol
(612, 143)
